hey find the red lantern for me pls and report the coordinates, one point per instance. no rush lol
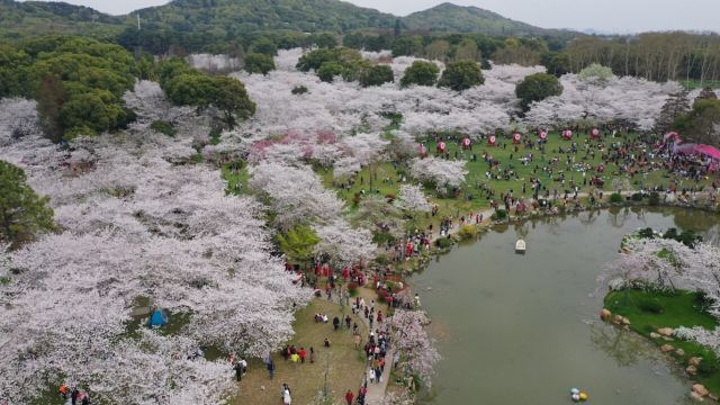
(492, 140)
(567, 134)
(543, 134)
(594, 133)
(516, 138)
(441, 147)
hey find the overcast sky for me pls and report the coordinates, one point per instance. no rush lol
(605, 15)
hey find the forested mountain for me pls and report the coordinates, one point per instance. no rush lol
(203, 22)
(453, 18)
(32, 18)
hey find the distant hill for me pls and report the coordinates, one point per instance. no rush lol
(194, 24)
(254, 15)
(449, 17)
(32, 18)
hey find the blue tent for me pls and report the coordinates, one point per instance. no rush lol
(157, 319)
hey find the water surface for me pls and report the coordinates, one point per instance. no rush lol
(524, 329)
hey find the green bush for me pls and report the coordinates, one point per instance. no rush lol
(499, 215)
(443, 243)
(163, 127)
(467, 232)
(637, 197)
(298, 90)
(616, 198)
(654, 199)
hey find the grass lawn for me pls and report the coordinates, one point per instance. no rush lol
(649, 311)
(388, 177)
(345, 364)
(695, 84)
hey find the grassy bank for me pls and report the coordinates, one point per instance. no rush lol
(344, 364)
(649, 311)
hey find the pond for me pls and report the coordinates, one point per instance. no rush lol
(518, 329)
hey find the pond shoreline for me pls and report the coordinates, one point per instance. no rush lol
(491, 225)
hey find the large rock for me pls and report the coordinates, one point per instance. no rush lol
(696, 397)
(654, 335)
(666, 331)
(605, 314)
(694, 361)
(625, 321)
(701, 390)
(691, 370)
(680, 352)
(666, 348)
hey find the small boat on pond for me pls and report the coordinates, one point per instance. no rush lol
(520, 246)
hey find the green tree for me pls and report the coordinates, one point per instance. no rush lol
(596, 73)
(50, 99)
(298, 243)
(556, 63)
(702, 123)
(265, 46)
(421, 73)
(377, 76)
(537, 87)
(323, 40)
(23, 214)
(329, 70)
(231, 98)
(467, 50)
(145, 67)
(314, 59)
(259, 63)
(90, 113)
(461, 75)
(407, 46)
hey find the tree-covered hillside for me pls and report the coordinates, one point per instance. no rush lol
(32, 18)
(453, 18)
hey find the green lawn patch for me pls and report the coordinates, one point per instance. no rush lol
(649, 311)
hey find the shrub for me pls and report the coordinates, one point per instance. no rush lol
(352, 287)
(163, 127)
(637, 197)
(616, 198)
(390, 285)
(382, 238)
(443, 243)
(499, 215)
(654, 199)
(298, 90)
(467, 232)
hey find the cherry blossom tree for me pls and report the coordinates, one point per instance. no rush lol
(412, 198)
(410, 337)
(345, 245)
(136, 226)
(295, 194)
(444, 174)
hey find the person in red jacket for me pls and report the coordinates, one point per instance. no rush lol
(303, 353)
(349, 396)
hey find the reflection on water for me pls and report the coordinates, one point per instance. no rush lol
(523, 329)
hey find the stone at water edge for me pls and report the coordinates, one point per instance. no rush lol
(696, 397)
(695, 361)
(691, 370)
(654, 335)
(701, 390)
(666, 331)
(666, 348)
(680, 352)
(625, 321)
(605, 314)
